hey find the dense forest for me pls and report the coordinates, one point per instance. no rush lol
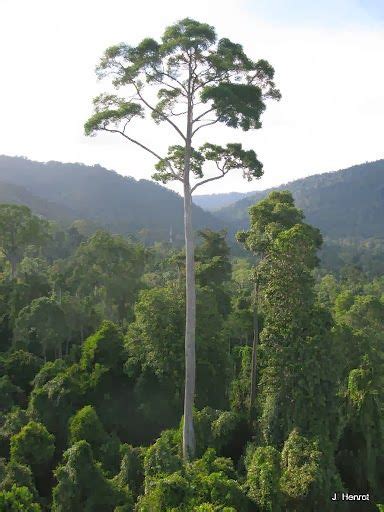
(92, 371)
(346, 205)
(152, 360)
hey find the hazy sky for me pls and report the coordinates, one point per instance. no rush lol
(328, 57)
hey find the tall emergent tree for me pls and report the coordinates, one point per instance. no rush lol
(199, 81)
(269, 218)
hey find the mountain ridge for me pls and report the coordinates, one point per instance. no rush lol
(119, 203)
(344, 203)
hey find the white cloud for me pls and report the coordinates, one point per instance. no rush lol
(331, 79)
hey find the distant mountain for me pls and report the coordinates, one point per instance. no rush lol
(119, 204)
(348, 203)
(213, 202)
(15, 194)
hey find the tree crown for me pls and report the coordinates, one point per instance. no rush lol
(197, 78)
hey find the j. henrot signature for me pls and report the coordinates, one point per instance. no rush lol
(345, 496)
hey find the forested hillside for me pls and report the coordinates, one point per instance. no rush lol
(16, 194)
(344, 204)
(92, 372)
(120, 204)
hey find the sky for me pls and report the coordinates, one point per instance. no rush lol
(328, 57)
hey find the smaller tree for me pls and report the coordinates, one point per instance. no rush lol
(18, 229)
(45, 320)
(34, 447)
(85, 424)
(82, 486)
(105, 347)
(263, 478)
(18, 499)
(269, 217)
(108, 268)
(21, 367)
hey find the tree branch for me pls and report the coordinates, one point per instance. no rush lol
(204, 125)
(153, 153)
(161, 114)
(223, 173)
(175, 79)
(203, 114)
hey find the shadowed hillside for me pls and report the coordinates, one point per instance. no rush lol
(120, 204)
(344, 204)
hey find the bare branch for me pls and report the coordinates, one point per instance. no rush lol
(203, 114)
(175, 79)
(178, 113)
(223, 173)
(153, 153)
(204, 125)
(153, 109)
(161, 114)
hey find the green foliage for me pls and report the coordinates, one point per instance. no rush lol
(358, 385)
(9, 394)
(218, 74)
(270, 217)
(104, 348)
(48, 371)
(108, 267)
(239, 392)
(18, 229)
(263, 478)
(206, 484)
(163, 457)
(111, 110)
(45, 320)
(33, 446)
(11, 424)
(155, 342)
(18, 499)
(317, 424)
(86, 425)
(14, 473)
(57, 399)
(300, 463)
(225, 431)
(168, 493)
(157, 333)
(131, 469)
(22, 367)
(82, 487)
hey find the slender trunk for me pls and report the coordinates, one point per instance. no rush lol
(190, 293)
(190, 328)
(255, 343)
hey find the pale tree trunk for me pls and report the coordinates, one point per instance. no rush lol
(190, 295)
(190, 328)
